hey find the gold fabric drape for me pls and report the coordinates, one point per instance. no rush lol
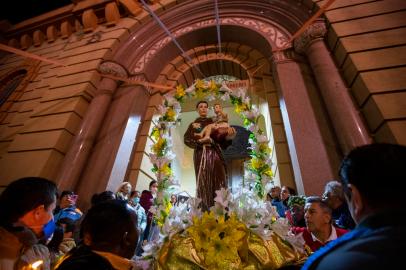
(180, 253)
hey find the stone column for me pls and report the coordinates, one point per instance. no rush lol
(309, 153)
(80, 149)
(347, 122)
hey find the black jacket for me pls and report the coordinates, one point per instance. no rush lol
(82, 258)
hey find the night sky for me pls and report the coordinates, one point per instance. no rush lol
(16, 11)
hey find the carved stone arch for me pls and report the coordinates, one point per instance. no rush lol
(275, 37)
(262, 25)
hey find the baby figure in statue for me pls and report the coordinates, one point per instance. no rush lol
(218, 129)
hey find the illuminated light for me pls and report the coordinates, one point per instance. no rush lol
(36, 264)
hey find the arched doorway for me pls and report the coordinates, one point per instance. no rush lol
(282, 80)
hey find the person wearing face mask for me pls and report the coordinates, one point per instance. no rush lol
(141, 218)
(26, 206)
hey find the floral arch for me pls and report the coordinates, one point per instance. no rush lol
(220, 235)
(258, 172)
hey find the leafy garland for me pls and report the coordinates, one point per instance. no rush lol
(258, 171)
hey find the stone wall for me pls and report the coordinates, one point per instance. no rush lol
(40, 123)
(368, 41)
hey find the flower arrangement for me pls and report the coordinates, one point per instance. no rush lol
(230, 224)
(259, 171)
(239, 231)
(218, 235)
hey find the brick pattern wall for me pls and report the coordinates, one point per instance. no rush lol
(368, 42)
(39, 126)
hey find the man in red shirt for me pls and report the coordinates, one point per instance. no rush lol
(319, 229)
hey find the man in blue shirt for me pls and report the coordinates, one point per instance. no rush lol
(67, 207)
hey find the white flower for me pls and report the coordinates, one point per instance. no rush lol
(210, 98)
(225, 96)
(281, 227)
(161, 109)
(250, 176)
(240, 93)
(246, 100)
(262, 138)
(224, 87)
(223, 197)
(297, 241)
(152, 248)
(195, 211)
(252, 114)
(191, 88)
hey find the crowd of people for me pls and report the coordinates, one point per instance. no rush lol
(355, 224)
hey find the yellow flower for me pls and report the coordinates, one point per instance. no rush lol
(268, 172)
(199, 84)
(155, 133)
(218, 240)
(219, 252)
(213, 86)
(159, 146)
(164, 213)
(256, 163)
(180, 92)
(170, 115)
(166, 170)
(240, 108)
(264, 148)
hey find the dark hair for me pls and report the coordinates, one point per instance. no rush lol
(24, 195)
(202, 101)
(66, 192)
(152, 183)
(102, 197)
(133, 193)
(323, 205)
(107, 222)
(69, 223)
(370, 168)
(292, 191)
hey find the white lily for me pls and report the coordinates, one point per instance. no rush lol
(261, 138)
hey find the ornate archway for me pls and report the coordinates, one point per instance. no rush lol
(256, 27)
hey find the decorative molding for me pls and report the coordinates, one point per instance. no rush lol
(270, 32)
(113, 68)
(25, 41)
(315, 31)
(286, 55)
(52, 33)
(66, 29)
(14, 43)
(89, 20)
(111, 13)
(39, 37)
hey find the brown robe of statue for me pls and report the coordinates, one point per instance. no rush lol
(213, 173)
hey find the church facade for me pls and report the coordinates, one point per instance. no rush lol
(337, 85)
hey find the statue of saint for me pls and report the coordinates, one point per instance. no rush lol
(210, 168)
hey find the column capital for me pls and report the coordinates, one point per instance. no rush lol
(316, 31)
(113, 68)
(287, 55)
